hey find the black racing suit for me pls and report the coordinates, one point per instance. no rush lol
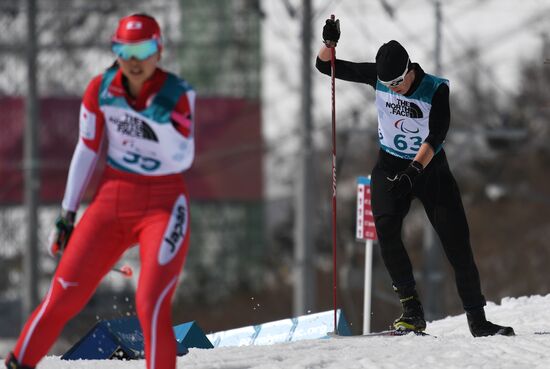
(435, 187)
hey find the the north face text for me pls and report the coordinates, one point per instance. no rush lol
(405, 109)
(134, 127)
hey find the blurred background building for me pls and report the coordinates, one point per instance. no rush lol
(245, 59)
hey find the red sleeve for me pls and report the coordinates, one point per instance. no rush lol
(92, 121)
(182, 117)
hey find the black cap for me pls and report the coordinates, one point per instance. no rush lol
(391, 60)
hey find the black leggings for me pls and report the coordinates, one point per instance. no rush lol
(438, 191)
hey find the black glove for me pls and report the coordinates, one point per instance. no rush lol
(401, 185)
(59, 237)
(331, 32)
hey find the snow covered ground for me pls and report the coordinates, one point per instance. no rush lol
(453, 347)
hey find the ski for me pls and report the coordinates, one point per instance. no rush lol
(387, 333)
(395, 332)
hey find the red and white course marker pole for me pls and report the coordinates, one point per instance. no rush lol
(366, 231)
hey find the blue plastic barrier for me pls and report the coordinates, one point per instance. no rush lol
(312, 326)
(191, 335)
(123, 339)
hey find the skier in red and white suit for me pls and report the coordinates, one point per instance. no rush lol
(145, 117)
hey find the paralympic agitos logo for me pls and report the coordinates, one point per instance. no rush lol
(400, 125)
(405, 109)
(134, 127)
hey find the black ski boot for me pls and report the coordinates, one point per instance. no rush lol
(481, 327)
(12, 363)
(412, 318)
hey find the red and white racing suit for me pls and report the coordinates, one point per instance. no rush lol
(142, 200)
